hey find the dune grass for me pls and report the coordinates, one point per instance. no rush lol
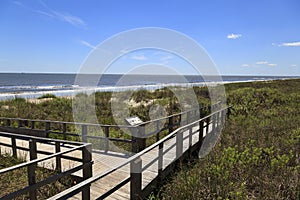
(258, 155)
(17, 179)
(48, 95)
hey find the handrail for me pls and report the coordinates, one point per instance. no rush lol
(89, 130)
(8, 169)
(85, 160)
(91, 180)
(173, 115)
(64, 122)
(26, 137)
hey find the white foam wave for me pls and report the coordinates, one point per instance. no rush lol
(71, 90)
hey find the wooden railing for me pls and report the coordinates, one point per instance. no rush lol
(101, 135)
(183, 135)
(85, 162)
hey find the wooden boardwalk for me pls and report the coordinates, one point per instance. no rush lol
(119, 176)
(104, 161)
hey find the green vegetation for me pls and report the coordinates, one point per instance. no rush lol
(258, 156)
(60, 109)
(17, 179)
(56, 109)
(45, 96)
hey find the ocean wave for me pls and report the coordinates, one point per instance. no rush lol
(22, 88)
(25, 91)
(75, 89)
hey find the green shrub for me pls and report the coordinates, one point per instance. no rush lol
(45, 96)
(258, 156)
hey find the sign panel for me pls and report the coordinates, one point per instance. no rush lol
(133, 121)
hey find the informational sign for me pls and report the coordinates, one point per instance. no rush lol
(133, 121)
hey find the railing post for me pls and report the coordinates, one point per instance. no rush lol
(171, 124)
(47, 129)
(190, 130)
(84, 133)
(58, 158)
(8, 123)
(228, 112)
(32, 124)
(213, 123)
(201, 112)
(201, 132)
(218, 120)
(14, 147)
(157, 130)
(136, 179)
(87, 170)
(188, 115)
(64, 131)
(201, 137)
(209, 109)
(138, 139)
(19, 123)
(207, 125)
(31, 168)
(179, 144)
(106, 133)
(160, 161)
(223, 118)
(26, 123)
(196, 114)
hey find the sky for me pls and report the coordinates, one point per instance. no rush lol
(257, 37)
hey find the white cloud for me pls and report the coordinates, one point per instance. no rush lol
(139, 57)
(261, 62)
(293, 65)
(234, 36)
(44, 13)
(245, 65)
(272, 65)
(266, 63)
(73, 20)
(290, 44)
(87, 44)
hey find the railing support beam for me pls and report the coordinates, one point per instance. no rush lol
(58, 158)
(138, 139)
(136, 179)
(14, 147)
(87, 171)
(31, 168)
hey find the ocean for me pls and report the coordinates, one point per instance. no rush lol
(33, 85)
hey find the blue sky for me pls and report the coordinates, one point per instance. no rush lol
(257, 37)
